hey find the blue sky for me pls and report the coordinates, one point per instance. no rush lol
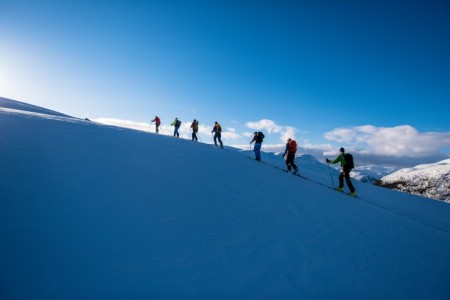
(373, 76)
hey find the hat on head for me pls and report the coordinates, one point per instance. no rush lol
(342, 149)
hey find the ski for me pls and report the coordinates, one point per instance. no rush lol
(345, 193)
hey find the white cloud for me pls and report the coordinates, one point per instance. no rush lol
(341, 135)
(264, 124)
(288, 132)
(126, 124)
(271, 127)
(247, 134)
(399, 141)
(230, 135)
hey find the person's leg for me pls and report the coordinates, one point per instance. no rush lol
(219, 136)
(349, 182)
(257, 150)
(293, 162)
(288, 162)
(341, 180)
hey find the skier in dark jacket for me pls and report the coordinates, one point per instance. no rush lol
(291, 149)
(217, 130)
(258, 139)
(345, 173)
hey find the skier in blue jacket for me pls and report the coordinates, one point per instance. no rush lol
(258, 139)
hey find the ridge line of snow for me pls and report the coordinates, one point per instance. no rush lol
(37, 114)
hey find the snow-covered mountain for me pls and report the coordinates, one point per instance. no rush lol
(429, 180)
(370, 173)
(89, 211)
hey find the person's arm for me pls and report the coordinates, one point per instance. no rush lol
(340, 159)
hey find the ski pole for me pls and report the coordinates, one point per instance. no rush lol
(329, 169)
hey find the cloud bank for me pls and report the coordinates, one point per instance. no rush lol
(399, 141)
(271, 127)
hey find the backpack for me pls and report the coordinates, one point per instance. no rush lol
(260, 137)
(178, 123)
(218, 128)
(292, 146)
(195, 125)
(349, 160)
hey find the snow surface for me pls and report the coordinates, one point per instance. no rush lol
(89, 211)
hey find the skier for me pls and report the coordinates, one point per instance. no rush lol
(157, 123)
(177, 124)
(345, 173)
(194, 127)
(217, 130)
(291, 149)
(258, 139)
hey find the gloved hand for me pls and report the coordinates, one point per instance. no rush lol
(282, 156)
(327, 160)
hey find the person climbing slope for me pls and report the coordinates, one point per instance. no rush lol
(258, 138)
(217, 130)
(157, 123)
(346, 160)
(177, 124)
(194, 127)
(289, 152)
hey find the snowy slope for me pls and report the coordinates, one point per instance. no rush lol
(429, 180)
(8, 104)
(89, 211)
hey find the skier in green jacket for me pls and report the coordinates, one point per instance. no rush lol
(345, 173)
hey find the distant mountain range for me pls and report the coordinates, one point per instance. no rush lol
(428, 180)
(371, 173)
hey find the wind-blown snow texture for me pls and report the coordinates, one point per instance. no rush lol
(89, 211)
(429, 180)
